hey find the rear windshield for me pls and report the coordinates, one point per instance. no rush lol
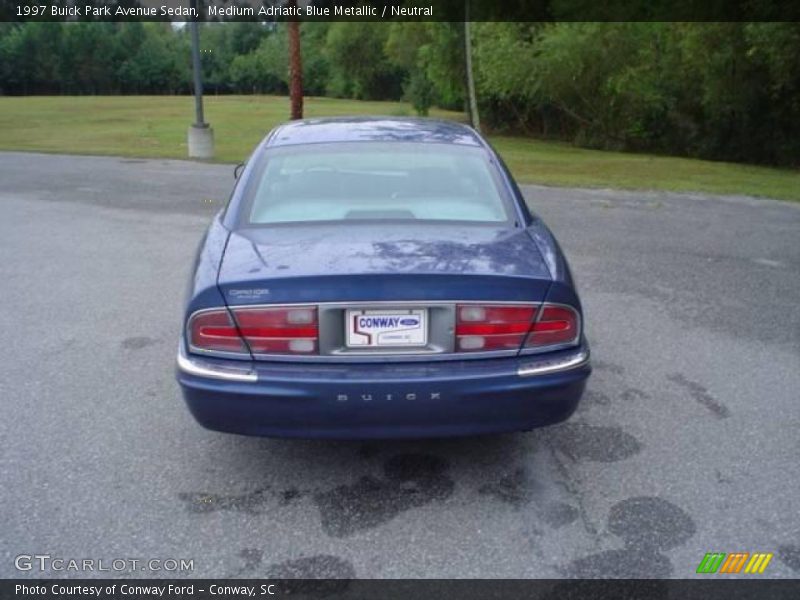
(373, 180)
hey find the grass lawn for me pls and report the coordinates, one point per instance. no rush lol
(155, 126)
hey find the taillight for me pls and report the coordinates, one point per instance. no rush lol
(485, 327)
(555, 325)
(280, 330)
(283, 330)
(294, 330)
(214, 331)
(492, 327)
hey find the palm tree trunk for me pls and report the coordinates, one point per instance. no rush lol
(295, 68)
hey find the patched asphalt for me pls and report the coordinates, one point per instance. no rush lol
(687, 441)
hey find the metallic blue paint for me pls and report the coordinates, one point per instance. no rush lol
(385, 400)
(203, 291)
(383, 261)
(380, 261)
(373, 129)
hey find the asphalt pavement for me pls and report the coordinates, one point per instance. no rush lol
(687, 440)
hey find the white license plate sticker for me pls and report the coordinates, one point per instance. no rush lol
(386, 328)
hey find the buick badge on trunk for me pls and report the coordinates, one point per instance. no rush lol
(379, 278)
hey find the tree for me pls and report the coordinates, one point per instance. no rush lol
(265, 69)
(402, 47)
(431, 57)
(359, 67)
(154, 66)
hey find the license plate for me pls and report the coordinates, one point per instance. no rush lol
(386, 328)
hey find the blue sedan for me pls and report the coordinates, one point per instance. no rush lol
(379, 278)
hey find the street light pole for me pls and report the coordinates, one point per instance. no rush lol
(471, 98)
(201, 135)
(198, 75)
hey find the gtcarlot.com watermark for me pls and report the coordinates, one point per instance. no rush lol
(58, 564)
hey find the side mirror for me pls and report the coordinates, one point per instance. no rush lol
(238, 170)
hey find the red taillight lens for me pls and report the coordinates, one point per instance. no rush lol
(284, 330)
(281, 330)
(214, 331)
(555, 325)
(492, 327)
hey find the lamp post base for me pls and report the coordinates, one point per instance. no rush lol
(201, 142)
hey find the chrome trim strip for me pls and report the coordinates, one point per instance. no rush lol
(358, 304)
(201, 368)
(555, 365)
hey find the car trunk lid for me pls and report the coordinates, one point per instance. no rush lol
(374, 261)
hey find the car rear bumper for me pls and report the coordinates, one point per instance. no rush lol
(378, 400)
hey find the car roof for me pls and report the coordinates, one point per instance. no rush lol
(373, 129)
